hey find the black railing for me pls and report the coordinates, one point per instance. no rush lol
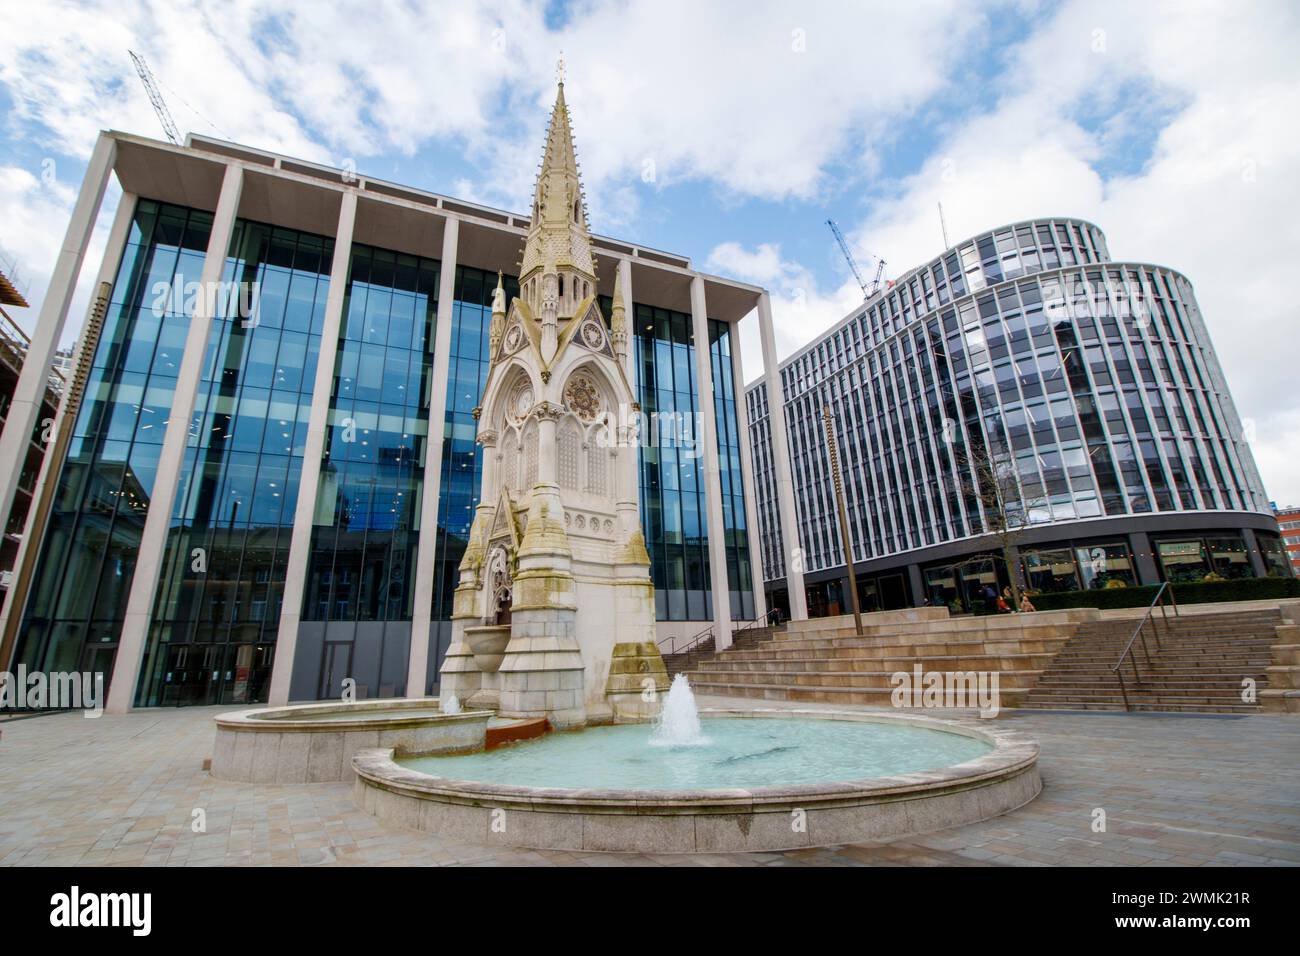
(1140, 631)
(689, 642)
(771, 619)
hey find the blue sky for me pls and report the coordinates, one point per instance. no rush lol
(1169, 125)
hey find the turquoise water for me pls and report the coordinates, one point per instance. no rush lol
(739, 752)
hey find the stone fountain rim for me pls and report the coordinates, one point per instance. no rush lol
(1013, 753)
(374, 714)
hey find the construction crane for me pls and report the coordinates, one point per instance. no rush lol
(867, 290)
(159, 106)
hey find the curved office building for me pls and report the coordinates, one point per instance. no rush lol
(1090, 386)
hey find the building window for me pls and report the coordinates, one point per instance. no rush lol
(1102, 565)
(1050, 570)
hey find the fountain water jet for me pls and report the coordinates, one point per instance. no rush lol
(451, 705)
(679, 721)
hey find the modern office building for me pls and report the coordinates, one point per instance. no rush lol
(1026, 352)
(251, 464)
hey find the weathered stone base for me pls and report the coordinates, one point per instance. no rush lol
(459, 676)
(541, 674)
(637, 681)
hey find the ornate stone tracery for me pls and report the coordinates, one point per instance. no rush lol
(582, 397)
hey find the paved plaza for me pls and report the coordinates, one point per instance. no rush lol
(1200, 790)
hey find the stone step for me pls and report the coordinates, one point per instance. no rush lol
(859, 648)
(1162, 660)
(877, 697)
(1005, 662)
(1023, 680)
(1162, 707)
(1214, 700)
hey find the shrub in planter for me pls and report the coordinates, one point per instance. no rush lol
(1184, 592)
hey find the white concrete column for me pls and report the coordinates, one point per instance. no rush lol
(627, 457)
(425, 566)
(47, 483)
(712, 479)
(781, 464)
(747, 476)
(25, 407)
(295, 580)
(153, 540)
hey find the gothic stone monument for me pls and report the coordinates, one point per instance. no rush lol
(554, 614)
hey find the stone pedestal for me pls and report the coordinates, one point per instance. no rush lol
(637, 681)
(459, 675)
(542, 671)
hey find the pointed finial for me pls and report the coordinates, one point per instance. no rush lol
(499, 297)
(559, 69)
(618, 316)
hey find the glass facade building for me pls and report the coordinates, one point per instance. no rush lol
(231, 549)
(87, 560)
(462, 466)
(674, 511)
(1093, 383)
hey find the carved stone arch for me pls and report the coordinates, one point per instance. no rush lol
(514, 394)
(498, 585)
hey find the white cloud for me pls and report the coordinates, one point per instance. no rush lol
(801, 310)
(755, 100)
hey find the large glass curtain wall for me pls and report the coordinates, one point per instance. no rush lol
(220, 592)
(736, 529)
(84, 571)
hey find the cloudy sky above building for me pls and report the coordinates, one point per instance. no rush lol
(729, 132)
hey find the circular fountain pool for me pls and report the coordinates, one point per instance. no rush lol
(761, 752)
(764, 780)
(314, 743)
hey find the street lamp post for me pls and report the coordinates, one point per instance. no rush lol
(844, 516)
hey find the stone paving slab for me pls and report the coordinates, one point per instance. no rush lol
(123, 791)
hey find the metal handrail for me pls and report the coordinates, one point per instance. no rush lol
(1118, 669)
(696, 639)
(761, 621)
(708, 632)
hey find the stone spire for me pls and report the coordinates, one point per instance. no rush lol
(497, 326)
(618, 318)
(558, 269)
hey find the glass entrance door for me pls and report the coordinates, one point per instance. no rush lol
(192, 676)
(335, 667)
(98, 659)
(247, 673)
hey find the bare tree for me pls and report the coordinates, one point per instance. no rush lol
(989, 476)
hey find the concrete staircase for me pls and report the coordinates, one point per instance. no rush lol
(1199, 666)
(742, 638)
(823, 660)
(687, 660)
